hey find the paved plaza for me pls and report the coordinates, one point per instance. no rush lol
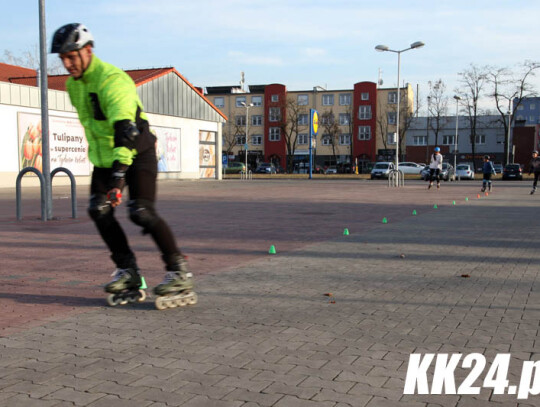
(330, 320)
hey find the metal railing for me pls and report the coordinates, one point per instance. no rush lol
(246, 175)
(396, 178)
(43, 194)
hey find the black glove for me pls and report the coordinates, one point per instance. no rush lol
(118, 175)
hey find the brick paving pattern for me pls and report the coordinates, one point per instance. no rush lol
(329, 321)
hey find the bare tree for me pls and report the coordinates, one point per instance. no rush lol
(437, 108)
(230, 137)
(472, 82)
(331, 131)
(290, 127)
(508, 86)
(30, 59)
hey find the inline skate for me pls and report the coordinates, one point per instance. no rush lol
(176, 289)
(127, 286)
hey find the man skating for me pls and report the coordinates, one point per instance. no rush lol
(122, 150)
(435, 167)
(534, 167)
(487, 170)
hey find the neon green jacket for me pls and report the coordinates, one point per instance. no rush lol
(102, 96)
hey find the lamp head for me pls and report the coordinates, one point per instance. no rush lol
(382, 48)
(417, 44)
(457, 97)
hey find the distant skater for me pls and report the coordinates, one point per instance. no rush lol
(534, 167)
(488, 170)
(435, 168)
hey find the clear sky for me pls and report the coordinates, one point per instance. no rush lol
(299, 43)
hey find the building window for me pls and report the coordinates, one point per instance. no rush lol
(256, 139)
(274, 98)
(219, 102)
(275, 114)
(364, 96)
(328, 100)
(303, 138)
(520, 107)
(327, 119)
(303, 119)
(275, 134)
(256, 100)
(448, 140)
(344, 119)
(420, 140)
(391, 117)
(345, 139)
(531, 119)
(391, 138)
(240, 100)
(256, 120)
(480, 139)
(241, 139)
(326, 140)
(392, 97)
(364, 112)
(303, 100)
(364, 133)
(240, 120)
(532, 106)
(345, 99)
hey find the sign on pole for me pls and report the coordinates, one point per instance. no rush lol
(313, 129)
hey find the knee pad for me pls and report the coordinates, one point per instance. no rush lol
(99, 210)
(143, 214)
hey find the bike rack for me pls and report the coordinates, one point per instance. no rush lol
(396, 178)
(246, 175)
(73, 188)
(42, 187)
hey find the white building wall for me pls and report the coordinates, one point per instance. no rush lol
(18, 98)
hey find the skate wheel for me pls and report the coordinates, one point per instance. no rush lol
(112, 301)
(192, 300)
(161, 303)
(181, 301)
(171, 303)
(142, 295)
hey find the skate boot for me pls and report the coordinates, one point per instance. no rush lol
(430, 185)
(483, 189)
(438, 185)
(533, 191)
(127, 286)
(489, 187)
(176, 289)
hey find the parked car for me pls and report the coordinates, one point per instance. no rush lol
(498, 168)
(446, 173)
(280, 170)
(464, 171)
(410, 168)
(331, 170)
(266, 168)
(381, 170)
(512, 171)
(235, 167)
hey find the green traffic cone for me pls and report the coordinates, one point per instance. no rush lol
(466, 199)
(272, 250)
(414, 212)
(453, 202)
(435, 206)
(346, 232)
(384, 220)
(143, 284)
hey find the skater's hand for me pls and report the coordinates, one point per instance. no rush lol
(114, 196)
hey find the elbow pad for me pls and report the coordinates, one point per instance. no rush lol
(125, 134)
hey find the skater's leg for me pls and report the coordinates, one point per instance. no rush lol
(536, 176)
(108, 227)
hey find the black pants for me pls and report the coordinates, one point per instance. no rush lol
(141, 181)
(434, 174)
(536, 175)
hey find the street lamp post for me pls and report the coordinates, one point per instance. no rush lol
(456, 136)
(247, 127)
(427, 128)
(382, 48)
(508, 133)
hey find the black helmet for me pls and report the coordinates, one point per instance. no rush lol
(486, 157)
(71, 37)
(535, 152)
